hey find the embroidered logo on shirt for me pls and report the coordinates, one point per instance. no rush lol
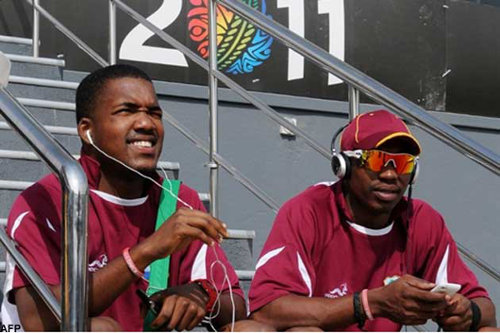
(337, 292)
(390, 279)
(99, 263)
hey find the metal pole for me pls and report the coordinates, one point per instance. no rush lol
(40, 286)
(353, 102)
(74, 257)
(36, 30)
(112, 32)
(74, 280)
(212, 90)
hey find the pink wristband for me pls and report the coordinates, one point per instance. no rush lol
(130, 264)
(366, 306)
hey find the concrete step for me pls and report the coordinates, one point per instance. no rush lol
(16, 45)
(46, 68)
(41, 92)
(27, 166)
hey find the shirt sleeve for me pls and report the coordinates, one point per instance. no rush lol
(34, 225)
(200, 261)
(286, 264)
(441, 262)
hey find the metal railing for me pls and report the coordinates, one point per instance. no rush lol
(74, 185)
(356, 80)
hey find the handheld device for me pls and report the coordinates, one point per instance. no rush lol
(447, 288)
(150, 304)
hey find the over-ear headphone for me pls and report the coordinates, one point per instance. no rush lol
(414, 173)
(341, 164)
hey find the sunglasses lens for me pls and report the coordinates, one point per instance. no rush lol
(376, 160)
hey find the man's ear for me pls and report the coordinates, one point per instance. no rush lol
(84, 126)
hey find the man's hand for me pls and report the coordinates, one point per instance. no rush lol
(457, 316)
(180, 229)
(183, 307)
(407, 301)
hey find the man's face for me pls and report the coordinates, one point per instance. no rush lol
(380, 191)
(126, 123)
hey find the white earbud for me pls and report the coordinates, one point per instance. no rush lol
(89, 137)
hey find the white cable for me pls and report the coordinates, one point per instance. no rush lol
(217, 261)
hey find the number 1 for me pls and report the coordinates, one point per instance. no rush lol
(336, 31)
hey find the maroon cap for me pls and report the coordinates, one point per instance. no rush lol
(372, 129)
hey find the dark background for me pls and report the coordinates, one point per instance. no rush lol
(407, 45)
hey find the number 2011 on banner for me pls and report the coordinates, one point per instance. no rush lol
(133, 47)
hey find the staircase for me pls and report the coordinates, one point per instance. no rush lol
(48, 91)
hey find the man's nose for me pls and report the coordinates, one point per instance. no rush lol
(144, 121)
(389, 171)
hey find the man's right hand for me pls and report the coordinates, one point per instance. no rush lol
(407, 301)
(182, 228)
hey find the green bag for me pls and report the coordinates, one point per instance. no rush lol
(159, 269)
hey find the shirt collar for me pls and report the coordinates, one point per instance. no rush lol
(92, 169)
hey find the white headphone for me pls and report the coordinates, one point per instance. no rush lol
(89, 137)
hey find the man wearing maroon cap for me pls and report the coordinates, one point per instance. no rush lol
(357, 254)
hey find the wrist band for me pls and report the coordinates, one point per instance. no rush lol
(211, 292)
(130, 264)
(366, 306)
(476, 317)
(359, 316)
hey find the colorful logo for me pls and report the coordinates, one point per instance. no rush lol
(240, 45)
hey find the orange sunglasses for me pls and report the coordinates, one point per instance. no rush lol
(377, 160)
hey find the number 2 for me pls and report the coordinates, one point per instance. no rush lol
(133, 47)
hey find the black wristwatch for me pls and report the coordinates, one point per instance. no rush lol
(476, 317)
(359, 314)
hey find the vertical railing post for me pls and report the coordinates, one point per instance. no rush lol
(74, 279)
(36, 30)
(112, 32)
(353, 102)
(212, 88)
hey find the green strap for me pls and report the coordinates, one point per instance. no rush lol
(159, 269)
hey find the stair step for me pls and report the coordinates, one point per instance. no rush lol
(43, 82)
(16, 40)
(51, 129)
(22, 185)
(31, 156)
(40, 103)
(38, 60)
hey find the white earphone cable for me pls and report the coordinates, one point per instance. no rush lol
(217, 261)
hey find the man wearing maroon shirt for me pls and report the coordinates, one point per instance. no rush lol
(118, 114)
(357, 255)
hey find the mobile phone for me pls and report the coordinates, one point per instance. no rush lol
(447, 288)
(150, 304)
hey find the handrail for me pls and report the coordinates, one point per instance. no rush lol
(372, 88)
(74, 215)
(35, 280)
(59, 26)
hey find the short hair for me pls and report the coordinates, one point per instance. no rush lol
(91, 86)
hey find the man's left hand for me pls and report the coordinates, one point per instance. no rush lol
(457, 316)
(183, 307)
